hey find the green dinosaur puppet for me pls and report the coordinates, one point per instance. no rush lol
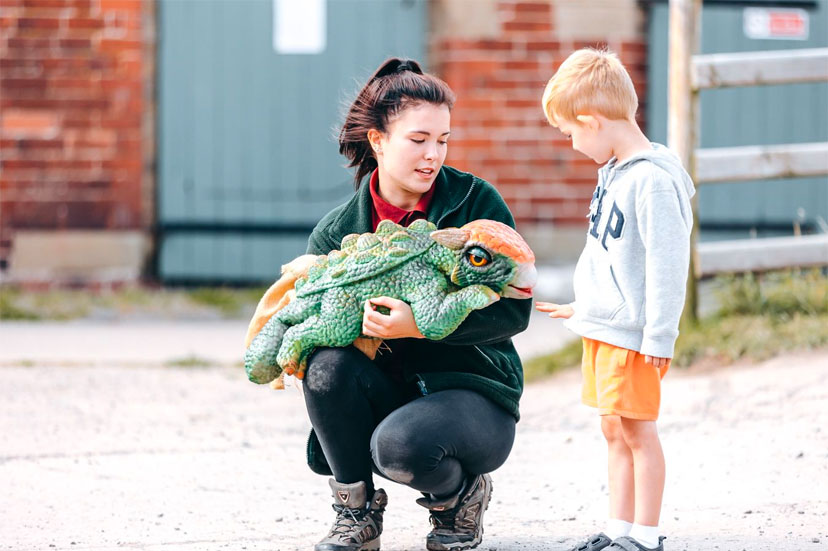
(442, 274)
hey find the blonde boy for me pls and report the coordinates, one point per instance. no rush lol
(629, 284)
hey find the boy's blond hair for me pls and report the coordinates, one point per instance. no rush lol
(590, 81)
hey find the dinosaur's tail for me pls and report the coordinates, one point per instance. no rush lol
(260, 357)
(264, 334)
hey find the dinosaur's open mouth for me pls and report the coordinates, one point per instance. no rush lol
(523, 281)
(518, 292)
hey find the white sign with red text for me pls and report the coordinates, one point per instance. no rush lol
(776, 23)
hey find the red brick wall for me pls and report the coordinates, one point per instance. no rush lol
(498, 128)
(73, 75)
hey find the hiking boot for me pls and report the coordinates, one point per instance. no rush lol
(358, 523)
(458, 520)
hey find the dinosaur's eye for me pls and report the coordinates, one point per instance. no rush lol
(478, 257)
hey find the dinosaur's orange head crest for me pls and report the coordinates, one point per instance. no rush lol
(499, 238)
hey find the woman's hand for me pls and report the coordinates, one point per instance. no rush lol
(397, 324)
(564, 311)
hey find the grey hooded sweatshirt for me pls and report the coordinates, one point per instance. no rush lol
(630, 279)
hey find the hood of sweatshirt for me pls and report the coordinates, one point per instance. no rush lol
(660, 155)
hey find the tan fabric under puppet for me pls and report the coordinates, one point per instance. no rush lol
(279, 295)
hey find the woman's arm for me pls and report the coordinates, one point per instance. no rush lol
(503, 319)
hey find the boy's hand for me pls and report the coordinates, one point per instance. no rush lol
(564, 311)
(398, 323)
(657, 362)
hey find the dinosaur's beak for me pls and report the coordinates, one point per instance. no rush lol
(521, 285)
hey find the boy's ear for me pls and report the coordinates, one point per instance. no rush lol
(589, 121)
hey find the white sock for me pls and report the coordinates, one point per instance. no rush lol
(617, 528)
(645, 535)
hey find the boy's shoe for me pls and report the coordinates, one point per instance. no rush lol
(626, 543)
(358, 523)
(594, 543)
(458, 519)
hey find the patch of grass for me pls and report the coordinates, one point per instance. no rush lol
(56, 304)
(189, 361)
(10, 310)
(228, 301)
(132, 301)
(216, 297)
(753, 337)
(568, 356)
(759, 317)
(776, 294)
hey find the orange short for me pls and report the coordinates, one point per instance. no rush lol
(617, 381)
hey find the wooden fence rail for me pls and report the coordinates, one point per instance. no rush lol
(758, 68)
(759, 255)
(730, 164)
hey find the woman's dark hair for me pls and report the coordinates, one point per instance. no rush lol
(396, 85)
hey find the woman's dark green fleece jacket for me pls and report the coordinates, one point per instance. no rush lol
(478, 355)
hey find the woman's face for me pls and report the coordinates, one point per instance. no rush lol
(412, 151)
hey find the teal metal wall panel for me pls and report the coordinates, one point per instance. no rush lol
(247, 137)
(219, 257)
(758, 115)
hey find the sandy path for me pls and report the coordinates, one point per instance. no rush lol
(200, 459)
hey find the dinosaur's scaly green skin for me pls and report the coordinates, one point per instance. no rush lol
(442, 274)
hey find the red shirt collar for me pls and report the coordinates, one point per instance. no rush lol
(383, 210)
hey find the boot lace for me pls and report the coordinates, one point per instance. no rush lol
(346, 520)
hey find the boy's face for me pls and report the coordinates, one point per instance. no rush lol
(587, 136)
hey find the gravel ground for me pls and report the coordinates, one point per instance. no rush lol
(110, 456)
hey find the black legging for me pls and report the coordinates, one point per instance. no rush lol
(368, 423)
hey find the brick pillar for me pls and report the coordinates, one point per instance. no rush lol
(75, 137)
(498, 56)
